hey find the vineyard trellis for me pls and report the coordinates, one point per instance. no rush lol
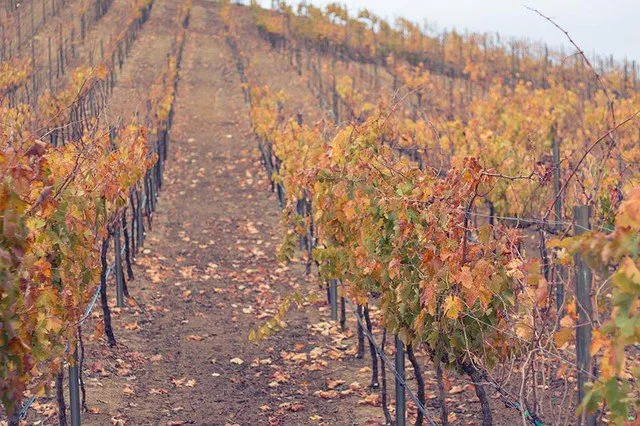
(74, 116)
(280, 138)
(514, 264)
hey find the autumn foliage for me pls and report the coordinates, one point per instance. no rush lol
(425, 194)
(58, 203)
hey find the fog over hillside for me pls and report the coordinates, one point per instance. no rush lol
(603, 27)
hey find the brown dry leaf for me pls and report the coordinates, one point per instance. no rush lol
(295, 407)
(280, 377)
(332, 384)
(236, 361)
(354, 386)
(330, 394)
(316, 352)
(299, 357)
(371, 399)
(188, 272)
(178, 382)
(158, 391)
(97, 367)
(335, 355)
(98, 331)
(195, 338)
(352, 350)
(132, 326)
(251, 228)
(275, 421)
(190, 383)
(456, 389)
(128, 391)
(46, 410)
(123, 371)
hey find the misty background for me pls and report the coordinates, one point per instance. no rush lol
(599, 27)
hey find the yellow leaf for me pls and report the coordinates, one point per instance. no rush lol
(452, 307)
(562, 337)
(567, 322)
(597, 342)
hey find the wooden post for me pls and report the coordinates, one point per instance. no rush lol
(559, 271)
(33, 22)
(118, 268)
(360, 353)
(19, 31)
(61, 50)
(83, 28)
(4, 45)
(34, 74)
(139, 218)
(584, 279)
(50, 68)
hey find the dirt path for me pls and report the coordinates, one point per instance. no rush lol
(208, 276)
(146, 62)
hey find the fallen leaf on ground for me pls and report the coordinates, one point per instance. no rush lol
(369, 400)
(332, 384)
(178, 382)
(326, 394)
(132, 326)
(456, 389)
(195, 338)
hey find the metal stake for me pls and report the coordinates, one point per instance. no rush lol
(400, 391)
(118, 269)
(333, 299)
(74, 390)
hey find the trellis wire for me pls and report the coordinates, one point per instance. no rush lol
(391, 366)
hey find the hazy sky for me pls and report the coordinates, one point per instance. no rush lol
(604, 26)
